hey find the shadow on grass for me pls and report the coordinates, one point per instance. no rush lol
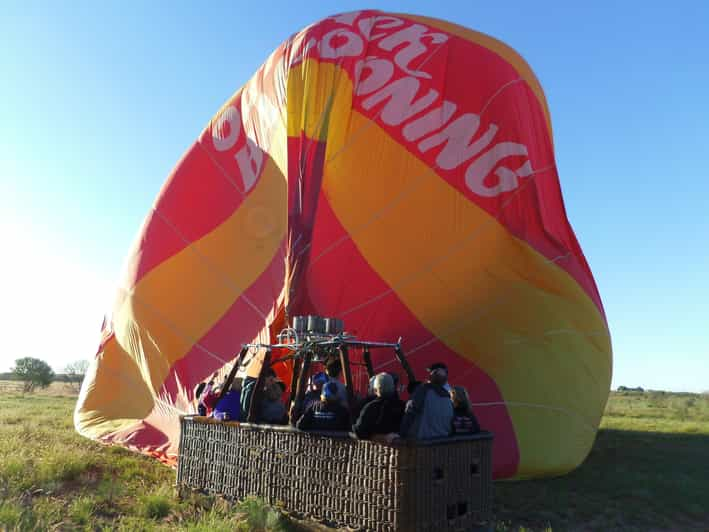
(630, 480)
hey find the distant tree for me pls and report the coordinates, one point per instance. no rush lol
(627, 389)
(75, 372)
(33, 372)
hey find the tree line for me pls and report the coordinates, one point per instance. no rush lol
(36, 373)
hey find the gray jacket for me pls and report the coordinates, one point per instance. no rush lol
(429, 413)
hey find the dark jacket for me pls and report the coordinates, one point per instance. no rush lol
(247, 393)
(272, 412)
(325, 416)
(310, 398)
(429, 413)
(380, 416)
(464, 422)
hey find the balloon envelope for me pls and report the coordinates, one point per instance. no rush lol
(391, 170)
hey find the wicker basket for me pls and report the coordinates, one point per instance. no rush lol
(437, 485)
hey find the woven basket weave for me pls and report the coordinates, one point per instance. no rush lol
(437, 485)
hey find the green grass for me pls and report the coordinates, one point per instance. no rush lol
(648, 470)
(52, 478)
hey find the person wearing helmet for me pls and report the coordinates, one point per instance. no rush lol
(325, 414)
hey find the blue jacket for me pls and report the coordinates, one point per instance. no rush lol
(229, 405)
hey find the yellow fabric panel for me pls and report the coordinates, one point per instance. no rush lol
(224, 263)
(501, 49)
(554, 443)
(486, 294)
(113, 395)
(170, 306)
(314, 89)
(278, 152)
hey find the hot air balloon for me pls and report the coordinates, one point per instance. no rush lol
(393, 171)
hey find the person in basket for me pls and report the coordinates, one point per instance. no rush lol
(326, 414)
(464, 421)
(381, 416)
(429, 412)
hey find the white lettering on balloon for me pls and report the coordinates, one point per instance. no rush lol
(379, 71)
(352, 45)
(346, 18)
(430, 122)
(458, 136)
(225, 131)
(367, 25)
(399, 96)
(507, 179)
(461, 139)
(413, 38)
(225, 134)
(408, 102)
(250, 159)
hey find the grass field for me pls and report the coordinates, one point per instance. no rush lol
(649, 470)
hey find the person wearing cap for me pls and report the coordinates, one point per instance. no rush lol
(269, 377)
(326, 414)
(312, 395)
(383, 414)
(429, 412)
(272, 410)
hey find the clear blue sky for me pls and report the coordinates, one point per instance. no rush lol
(98, 103)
